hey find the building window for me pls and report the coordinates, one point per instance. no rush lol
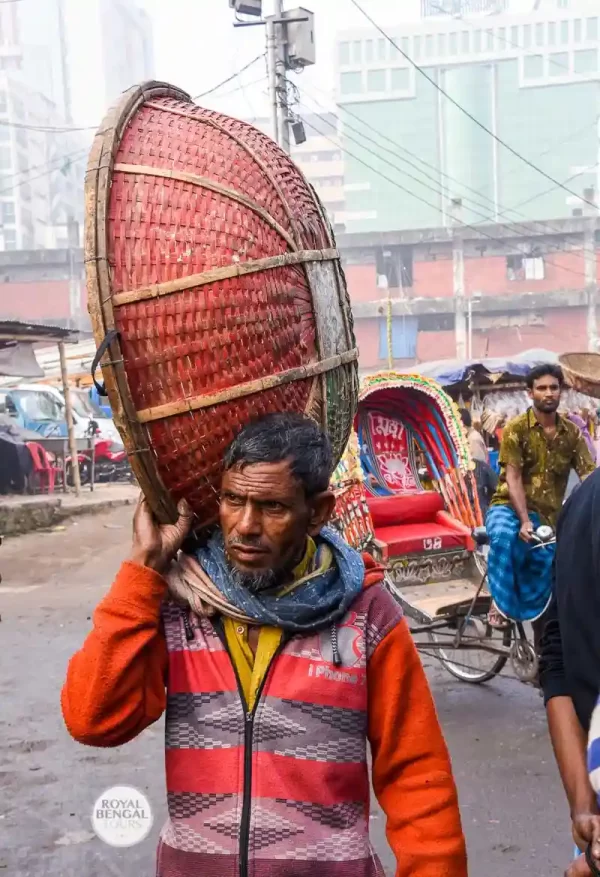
(585, 61)
(465, 41)
(533, 66)
(8, 212)
(563, 4)
(10, 239)
(501, 37)
(22, 137)
(369, 51)
(551, 33)
(558, 63)
(526, 36)
(400, 79)
(405, 44)
(417, 47)
(394, 267)
(4, 133)
(477, 41)
(441, 44)
(381, 49)
(577, 30)
(5, 158)
(489, 40)
(351, 83)
(344, 50)
(539, 34)
(524, 268)
(404, 338)
(514, 35)
(357, 52)
(591, 29)
(429, 50)
(376, 80)
(564, 32)
(453, 44)
(3, 102)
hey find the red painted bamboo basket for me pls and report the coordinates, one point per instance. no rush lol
(215, 291)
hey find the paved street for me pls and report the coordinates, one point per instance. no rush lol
(514, 814)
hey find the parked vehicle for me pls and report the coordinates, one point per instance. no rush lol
(107, 462)
(41, 408)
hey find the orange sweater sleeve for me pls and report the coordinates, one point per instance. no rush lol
(412, 775)
(115, 685)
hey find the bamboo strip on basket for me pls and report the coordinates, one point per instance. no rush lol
(206, 183)
(225, 272)
(194, 403)
(207, 120)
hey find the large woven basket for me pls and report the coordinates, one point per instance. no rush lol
(215, 286)
(582, 372)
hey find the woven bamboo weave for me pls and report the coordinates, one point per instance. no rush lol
(210, 255)
(582, 372)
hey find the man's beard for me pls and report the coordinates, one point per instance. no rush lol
(548, 407)
(256, 582)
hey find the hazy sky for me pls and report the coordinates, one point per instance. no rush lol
(196, 46)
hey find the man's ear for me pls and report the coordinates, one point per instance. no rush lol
(321, 510)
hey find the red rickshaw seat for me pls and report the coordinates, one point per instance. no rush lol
(416, 523)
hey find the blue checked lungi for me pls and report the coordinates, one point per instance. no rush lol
(519, 578)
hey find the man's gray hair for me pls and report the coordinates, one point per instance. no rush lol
(279, 437)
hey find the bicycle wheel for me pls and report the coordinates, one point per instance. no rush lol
(471, 665)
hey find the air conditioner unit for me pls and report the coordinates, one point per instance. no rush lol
(247, 7)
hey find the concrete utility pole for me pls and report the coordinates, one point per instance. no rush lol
(458, 276)
(69, 418)
(591, 268)
(272, 53)
(280, 78)
(290, 46)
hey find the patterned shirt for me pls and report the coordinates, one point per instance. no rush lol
(544, 463)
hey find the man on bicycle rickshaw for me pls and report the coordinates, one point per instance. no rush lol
(539, 448)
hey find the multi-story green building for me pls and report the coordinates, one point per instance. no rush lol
(532, 79)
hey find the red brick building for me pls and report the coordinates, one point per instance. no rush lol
(526, 282)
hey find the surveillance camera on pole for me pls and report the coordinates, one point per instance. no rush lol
(247, 7)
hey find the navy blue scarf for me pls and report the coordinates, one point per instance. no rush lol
(319, 601)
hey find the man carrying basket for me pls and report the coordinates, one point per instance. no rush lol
(277, 653)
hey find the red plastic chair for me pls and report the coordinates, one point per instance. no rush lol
(43, 477)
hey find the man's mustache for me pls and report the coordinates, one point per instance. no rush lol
(249, 542)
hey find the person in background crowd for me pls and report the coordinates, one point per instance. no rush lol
(570, 664)
(539, 449)
(485, 477)
(582, 424)
(278, 654)
(476, 441)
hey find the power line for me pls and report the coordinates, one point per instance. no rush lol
(242, 86)
(445, 191)
(73, 156)
(46, 129)
(229, 78)
(478, 231)
(462, 109)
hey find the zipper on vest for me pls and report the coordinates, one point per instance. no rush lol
(248, 744)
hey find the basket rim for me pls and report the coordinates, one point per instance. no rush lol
(97, 190)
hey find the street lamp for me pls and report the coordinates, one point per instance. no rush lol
(474, 297)
(247, 7)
